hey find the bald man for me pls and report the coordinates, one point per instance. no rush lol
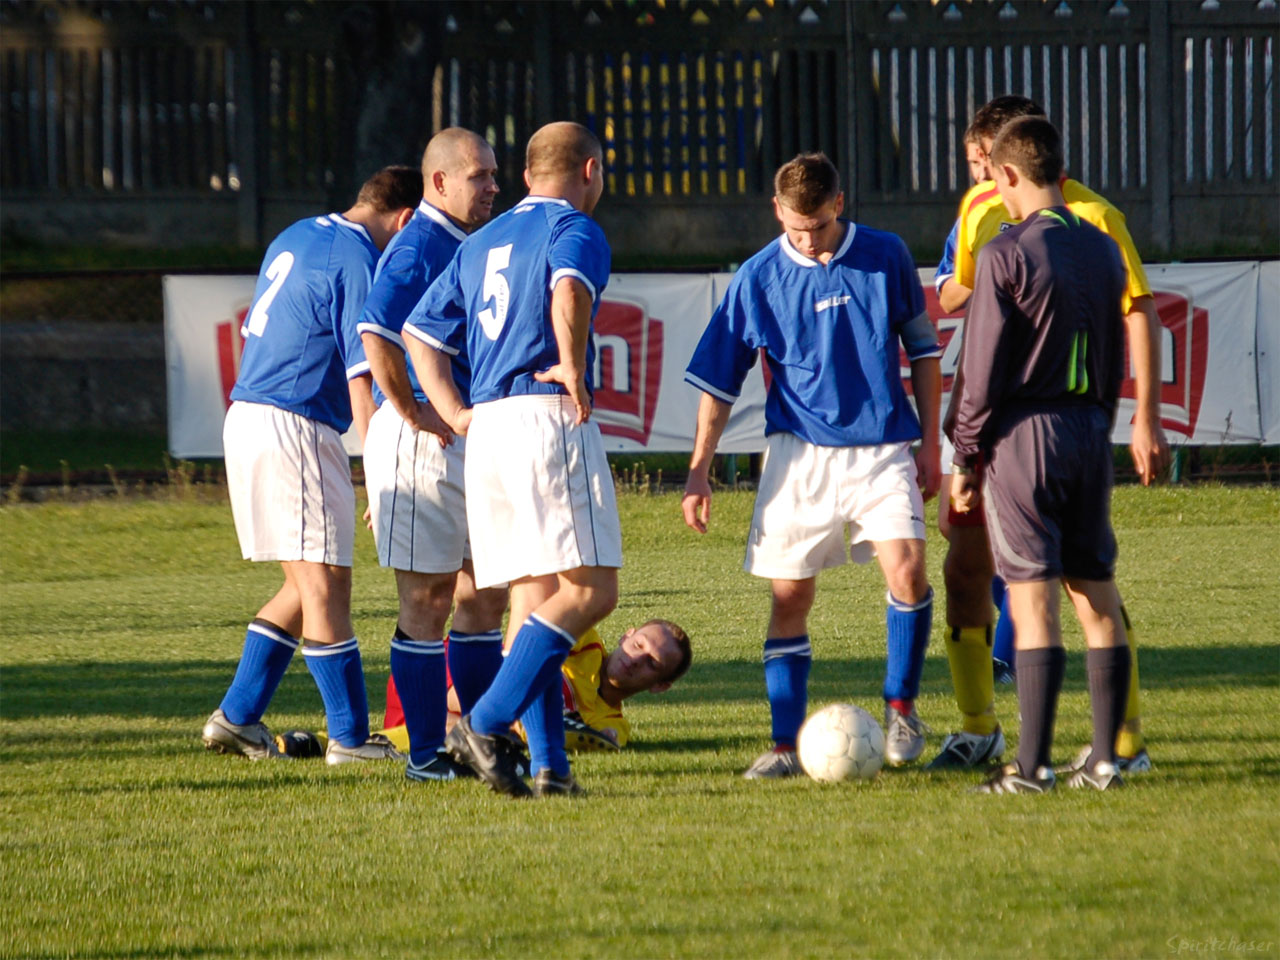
(519, 298)
(413, 464)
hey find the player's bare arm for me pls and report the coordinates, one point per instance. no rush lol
(436, 377)
(713, 415)
(926, 385)
(387, 364)
(362, 406)
(953, 296)
(1147, 444)
(571, 323)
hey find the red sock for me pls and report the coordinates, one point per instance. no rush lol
(902, 706)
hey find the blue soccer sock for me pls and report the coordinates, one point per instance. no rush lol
(786, 679)
(544, 728)
(418, 669)
(337, 671)
(908, 627)
(474, 660)
(1002, 642)
(266, 656)
(533, 662)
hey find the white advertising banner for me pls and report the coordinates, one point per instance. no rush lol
(1220, 354)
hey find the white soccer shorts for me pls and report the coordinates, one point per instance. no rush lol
(540, 496)
(810, 495)
(415, 496)
(289, 479)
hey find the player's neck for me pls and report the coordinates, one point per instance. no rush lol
(572, 193)
(1033, 198)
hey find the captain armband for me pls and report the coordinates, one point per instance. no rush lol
(920, 338)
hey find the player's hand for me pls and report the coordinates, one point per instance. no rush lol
(696, 504)
(368, 517)
(462, 421)
(575, 384)
(426, 418)
(965, 488)
(929, 469)
(1150, 450)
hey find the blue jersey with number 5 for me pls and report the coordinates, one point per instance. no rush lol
(301, 342)
(494, 299)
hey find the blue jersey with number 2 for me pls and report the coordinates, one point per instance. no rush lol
(301, 343)
(494, 299)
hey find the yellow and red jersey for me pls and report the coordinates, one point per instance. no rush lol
(581, 681)
(983, 216)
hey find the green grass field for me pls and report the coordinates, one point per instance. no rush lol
(122, 622)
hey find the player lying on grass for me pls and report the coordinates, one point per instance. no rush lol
(300, 387)
(1039, 383)
(968, 568)
(595, 683)
(827, 303)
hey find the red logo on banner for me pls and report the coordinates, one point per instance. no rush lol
(230, 346)
(1184, 356)
(628, 369)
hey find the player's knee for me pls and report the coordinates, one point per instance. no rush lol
(967, 572)
(792, 598)
(909, 584)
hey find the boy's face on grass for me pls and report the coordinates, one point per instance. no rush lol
(644, 658)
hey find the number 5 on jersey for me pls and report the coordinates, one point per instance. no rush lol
(495, 288)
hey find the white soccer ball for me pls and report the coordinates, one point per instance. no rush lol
(841, 742)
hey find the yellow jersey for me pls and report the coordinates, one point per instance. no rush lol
(581, 673)
(983, 216)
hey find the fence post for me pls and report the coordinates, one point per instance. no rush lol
(248, 222)
(852, 141)
(1160, 150)
(542, 82)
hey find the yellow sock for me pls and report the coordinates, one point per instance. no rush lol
(398, 736)
(1130, 739)
(969, 653)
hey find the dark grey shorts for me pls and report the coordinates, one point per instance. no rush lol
(1048, 498)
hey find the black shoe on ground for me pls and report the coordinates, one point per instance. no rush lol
(492, 758)
(549, 784)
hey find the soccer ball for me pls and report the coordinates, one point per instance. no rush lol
(841, 742)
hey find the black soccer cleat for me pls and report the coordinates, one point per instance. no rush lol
(299, 744)
(494, 759)
(549, 784)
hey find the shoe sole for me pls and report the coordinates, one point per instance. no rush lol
(235, 748)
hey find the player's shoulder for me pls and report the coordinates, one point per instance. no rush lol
(764, 269)
(880, 242)
(1090, 206)
(979, 198)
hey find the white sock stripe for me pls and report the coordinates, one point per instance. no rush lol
(332, 649)
(421, 647)
(279, 636)
(897, 604)
(533, 617)
(489, 636)
(799, 649)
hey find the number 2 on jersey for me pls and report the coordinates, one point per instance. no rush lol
(276, 273)
(495, 288)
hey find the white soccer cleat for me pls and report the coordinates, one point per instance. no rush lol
(377, 747)
(774, 765)
(903, 736)
(252, 740)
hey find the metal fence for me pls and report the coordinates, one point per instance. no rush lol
(221, 121)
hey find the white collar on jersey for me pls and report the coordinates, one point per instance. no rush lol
(442, 218)
(342, 221)
(804, 261)
(533, 198)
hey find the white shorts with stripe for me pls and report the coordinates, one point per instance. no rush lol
(289, 480)
(810, 496)
(540, 496)
(415, 496)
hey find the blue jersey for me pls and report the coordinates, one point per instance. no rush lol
(300, 334)
(947, 265)
(493, 301)
(830, 337)
(415, 256)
